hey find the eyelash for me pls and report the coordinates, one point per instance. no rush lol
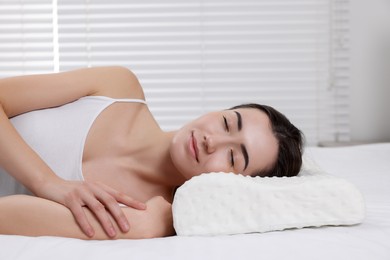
(226, 124)
(231, 151)
(231, 157)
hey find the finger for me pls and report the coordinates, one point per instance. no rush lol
(116, 212)
(129, 201)
(81, 219)
(101, 214)
(124, 199)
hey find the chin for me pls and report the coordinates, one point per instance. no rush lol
(179, 153)
(187, 175)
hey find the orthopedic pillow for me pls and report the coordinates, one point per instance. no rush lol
(227, 203)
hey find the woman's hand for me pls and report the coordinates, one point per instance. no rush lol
(100, 199)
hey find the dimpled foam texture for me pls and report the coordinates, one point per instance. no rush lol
(227, 203)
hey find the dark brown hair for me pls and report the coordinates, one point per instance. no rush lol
(290, 140)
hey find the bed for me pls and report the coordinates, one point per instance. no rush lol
(366, 166)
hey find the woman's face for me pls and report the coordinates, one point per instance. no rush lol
(239, 141)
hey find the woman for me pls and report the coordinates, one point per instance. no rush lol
(86, 141)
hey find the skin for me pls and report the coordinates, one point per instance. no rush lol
(146, 161)
(33, 216)
(220, 141)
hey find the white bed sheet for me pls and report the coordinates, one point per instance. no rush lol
(368, 167)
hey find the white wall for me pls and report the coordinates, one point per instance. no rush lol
(370, 84)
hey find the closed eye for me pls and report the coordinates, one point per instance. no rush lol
(231, 158)
(226, 124)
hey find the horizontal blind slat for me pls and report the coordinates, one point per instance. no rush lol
(25, 37)
(196, 56)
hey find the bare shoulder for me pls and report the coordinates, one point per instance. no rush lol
(117, 82)
(31, 92)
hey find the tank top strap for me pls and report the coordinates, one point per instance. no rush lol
(130, 100)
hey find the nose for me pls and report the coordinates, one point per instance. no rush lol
(209, 145)
(213, 142)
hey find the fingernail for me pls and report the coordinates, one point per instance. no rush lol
(90, 233)
(125, 226)
(112, 232)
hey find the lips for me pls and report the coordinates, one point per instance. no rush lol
(194, 147)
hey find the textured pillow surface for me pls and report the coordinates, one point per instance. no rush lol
(227, 203)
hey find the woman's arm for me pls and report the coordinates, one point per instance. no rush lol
(31, 92)
(32, 216)
(26, 93)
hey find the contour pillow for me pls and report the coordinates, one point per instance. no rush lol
(227, 203)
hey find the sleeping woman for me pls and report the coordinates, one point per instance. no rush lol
(85, 144)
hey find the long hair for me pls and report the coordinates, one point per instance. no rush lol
(290, 141)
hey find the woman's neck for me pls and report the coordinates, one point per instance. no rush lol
(159, 167)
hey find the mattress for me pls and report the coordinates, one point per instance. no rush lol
(366, 166)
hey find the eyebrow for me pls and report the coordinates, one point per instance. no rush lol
(239, 121)
(243, 148)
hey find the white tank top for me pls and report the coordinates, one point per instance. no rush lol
(58, 135)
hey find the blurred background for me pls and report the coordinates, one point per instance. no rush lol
(323, 63)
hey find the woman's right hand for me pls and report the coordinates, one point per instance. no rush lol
(99, 198)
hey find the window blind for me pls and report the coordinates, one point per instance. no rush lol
(340, 69)
(194, 56)
(26, 42)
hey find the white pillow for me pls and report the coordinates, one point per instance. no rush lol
(227, 203)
